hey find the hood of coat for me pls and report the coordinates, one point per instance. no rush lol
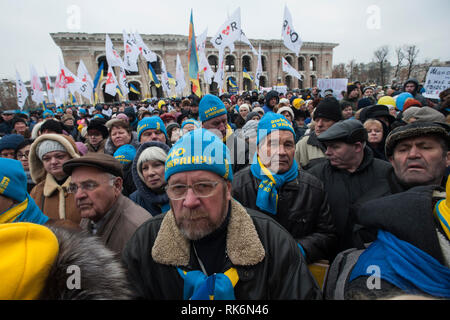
(101, 274)
(37, 170)
(412, 80)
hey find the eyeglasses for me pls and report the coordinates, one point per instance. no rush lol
(201, 189)
(84, 186)
(23, 155)
(7, 154)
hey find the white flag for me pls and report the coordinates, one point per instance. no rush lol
(228, 33)
(165, 79)
(181, 83)
(131, 53)
(259, 69)
(48, 86)
(148, 54)
(60, 92)
(289, 69)
(36, 87)
(87, 86)
(22, 92)
(70, 80)
(201, 41)
(111, 83)
(112, 57)
(220, 74)
(245, 40)
(291, 38)
(203, 64)
(123, 82)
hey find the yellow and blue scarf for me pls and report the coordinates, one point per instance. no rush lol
(267, 198)
(442, 213)
(218, 286)
(26, 211)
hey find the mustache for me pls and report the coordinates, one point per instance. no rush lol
(192, 214)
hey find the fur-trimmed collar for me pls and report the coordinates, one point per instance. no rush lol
(243, 244)
(50, 185)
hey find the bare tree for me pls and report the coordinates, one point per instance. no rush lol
(381, 59)
(350, 71)
(400, 55)
(411, 52)
(339, 71)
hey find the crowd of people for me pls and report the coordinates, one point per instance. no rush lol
(229, 197)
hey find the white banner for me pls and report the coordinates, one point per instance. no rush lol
(21, 90)
(289, 69)
(438, 79)
(181, 83)
(165, 79)
(131, 53)
(36, 86)
(220, 74)
(87, 87)
(228, 33)
(259, 69)
(123, 82)
(291, 39)
(112, 57)
(111, 83)
(148, 54)
(245, 40)
(48, 86)
(337, 85)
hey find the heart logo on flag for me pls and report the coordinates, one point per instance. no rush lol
(110, 79)
(226, 31)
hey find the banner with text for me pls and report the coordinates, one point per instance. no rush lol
(438, 79)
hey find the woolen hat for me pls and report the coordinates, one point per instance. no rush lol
(349, 131)
(271, 122)
(47, 146)
(210, 107)
(374, 112)
(199, 150)
(13, 180)
(11, 141)
(423, 114)
(328, 108)
(147, 123)
(416, 129)
(101, 161)
(125, 154)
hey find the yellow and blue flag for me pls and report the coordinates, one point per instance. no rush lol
(246, 75)
(232, 83)
(99, 75)
(193, 60)
(152, 75)
(119, 91)
(172, 80)
(133, 89)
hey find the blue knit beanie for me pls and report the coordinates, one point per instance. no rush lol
(154, 122)
(191, 121)
(271, 122)
(48, 114)
(11, 141)
(13, 180)
(199, 150)
(210, 107)
(125, 154)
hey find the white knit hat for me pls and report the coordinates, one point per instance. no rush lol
(47, 146)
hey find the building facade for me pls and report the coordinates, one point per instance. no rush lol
(315, 61)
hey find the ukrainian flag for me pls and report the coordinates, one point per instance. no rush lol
(232, 83)
(133, 89)
(119, 92)
(171, 79)
(246, 75)
(193, 59)
(152, 75)
(98, 76)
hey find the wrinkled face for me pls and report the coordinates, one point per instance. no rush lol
(341, 154)
(420, 161)
(347, 113)
(152, 135)
(53, 162)
(120, 136)
(410, 87)
(95, 137)
(322, 124)
(96, 192)
(217, 125)
(197, 217)
(153, 173)
(277, 150)
(22, 156)
(375, 133)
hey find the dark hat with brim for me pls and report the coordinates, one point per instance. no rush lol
(376, 111)
(413, 130)
(103, 162)
(348, 131)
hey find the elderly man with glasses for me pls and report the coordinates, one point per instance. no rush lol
(208, 246)
(97, 188)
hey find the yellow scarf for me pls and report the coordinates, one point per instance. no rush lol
(11, 214)
(228, 134)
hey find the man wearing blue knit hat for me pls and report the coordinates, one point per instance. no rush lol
(208, 244)
(152, 129)
(213, 115)
(276, 186)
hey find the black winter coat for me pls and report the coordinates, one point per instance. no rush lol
(267, 259)
(345, 189)
(302, 209)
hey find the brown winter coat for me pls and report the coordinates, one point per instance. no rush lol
(52, 198)
(121, 222)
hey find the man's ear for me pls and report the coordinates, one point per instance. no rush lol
(118, 184)
(448, 158)
(228, 193)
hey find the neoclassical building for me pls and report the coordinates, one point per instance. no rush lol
(315, 61)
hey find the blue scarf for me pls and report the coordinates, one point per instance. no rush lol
(267, 198)
(405, 266)
(26, 211)
(218, 286)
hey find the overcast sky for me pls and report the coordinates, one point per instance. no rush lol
(359, 27)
